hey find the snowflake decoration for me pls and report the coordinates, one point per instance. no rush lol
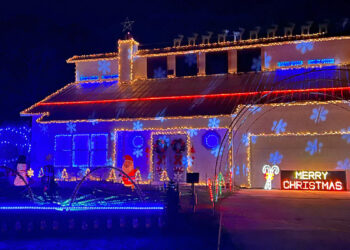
(319, 114)
(187, 161)
(104, 66)
(113, 136)
(279, 126)
(343, 165)
(303, 47)
(313, 147)
(165, 139)
(137, 125)
(256, 64)
(71, 127)
(215, 151)
(110, 162)
(267, 60)
(92, 118)
(137, 152)
(192, 132)
(245, 139)
(44, 128)
(213, 122)
(160, 115)
(346, 136)
(254, 110)
(190, 59)
(178, 176)
(159, 73)
(275, 158)
(237, 170)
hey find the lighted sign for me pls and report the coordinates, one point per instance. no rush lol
(289, 63)
(313, 180)
(321, 61)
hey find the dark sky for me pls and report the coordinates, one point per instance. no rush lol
(38, 36)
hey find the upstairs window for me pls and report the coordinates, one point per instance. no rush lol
(186, 65)
(248, 60)
(216, 63)
(156, 67)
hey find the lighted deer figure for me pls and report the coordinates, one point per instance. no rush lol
(269, 172)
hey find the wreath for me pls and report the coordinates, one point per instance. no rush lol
(178, 146)
(160, 146)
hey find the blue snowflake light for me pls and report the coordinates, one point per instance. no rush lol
(245, 139)
(319, 114)
(237, 170)
(279, 126)
(92, 118)
(137, 125)
(187, 161)
(137, 152)
(71, 127)
(256, 64)
(213, 122)
(343, 165)
(303, 47)
(159, 73)
(192, 132)
(346, 136)
(110, 162)
(215, 151)
(104, 67)
(275, 158)
(255, 109)
(44, 128)
(313, 147)
(267, 60)
(190, 59)
(160, 115)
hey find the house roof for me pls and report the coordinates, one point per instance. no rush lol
(190, 96)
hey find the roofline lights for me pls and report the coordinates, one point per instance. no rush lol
(159, 98)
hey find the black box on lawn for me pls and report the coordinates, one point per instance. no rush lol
(192, 177)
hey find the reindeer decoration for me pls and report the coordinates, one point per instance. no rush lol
(305, 29)
(288, 31)
(222, 37)
(238, 35)
(192, 39)
(206, 38)
(269, 172)
(253, 34)
(323, 27)
(271, 33)
(178, 41)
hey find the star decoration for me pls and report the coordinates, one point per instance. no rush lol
(127, 24)
(30, 173)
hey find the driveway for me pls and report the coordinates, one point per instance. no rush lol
(277, 219)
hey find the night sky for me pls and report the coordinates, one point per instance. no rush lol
(37, 37)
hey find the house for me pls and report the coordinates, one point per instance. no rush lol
(227, 106)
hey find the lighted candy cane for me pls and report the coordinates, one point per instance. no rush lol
(269, 172)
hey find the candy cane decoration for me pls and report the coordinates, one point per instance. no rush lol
(269, 172)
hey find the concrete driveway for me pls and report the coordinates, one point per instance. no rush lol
(276, 219)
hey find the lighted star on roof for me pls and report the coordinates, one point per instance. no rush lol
(127, 24)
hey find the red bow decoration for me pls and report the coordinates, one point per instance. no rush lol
(178, 169)
(161, 158)
(178, 159)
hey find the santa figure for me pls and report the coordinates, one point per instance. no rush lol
(128, 168)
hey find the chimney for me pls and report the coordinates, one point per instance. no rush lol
(127, 49)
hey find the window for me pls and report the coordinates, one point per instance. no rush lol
(186, 65)
(157, 67)
(81, 150)
(216, 63)
(248, 60)
(99, 149)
